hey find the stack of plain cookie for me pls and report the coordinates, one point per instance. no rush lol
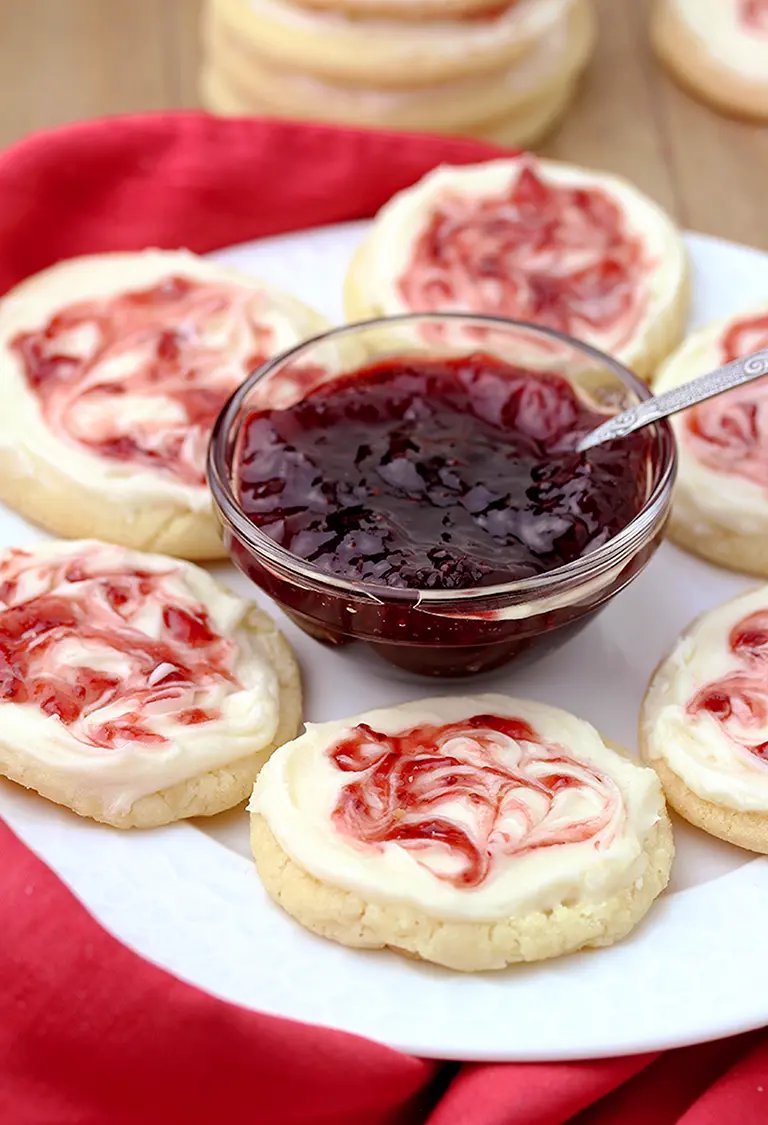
(502, 70)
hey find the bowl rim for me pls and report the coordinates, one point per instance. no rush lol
(611, 554)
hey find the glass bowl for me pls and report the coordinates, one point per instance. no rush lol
(439, 632)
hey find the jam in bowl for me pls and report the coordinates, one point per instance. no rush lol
(412, 483)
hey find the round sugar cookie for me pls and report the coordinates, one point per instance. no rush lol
(381, 53)
(704, 722)
(581, 252)
(453, 106)
(113, 368)
(472, 832)
(523, 129)
(720, 507)
(135, 689)
(528, 127)
(718, 50)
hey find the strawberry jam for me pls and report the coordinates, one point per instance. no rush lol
(138, 378)
(754, 15)
(729, 433)
(739, 701)
(399, 504)
(514, 791)
(74, 643)
(547, 253)
(437, 475)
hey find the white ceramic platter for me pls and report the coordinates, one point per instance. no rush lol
(188, 897)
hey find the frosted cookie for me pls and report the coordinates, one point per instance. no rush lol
(581, 252)
(381, 53)
(134, 689)
(458, 105)
(717, 49)
(704, 723)
(113, 369)
(473, 832)
(720, 508)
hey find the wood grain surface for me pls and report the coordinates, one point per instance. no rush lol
(66, 59)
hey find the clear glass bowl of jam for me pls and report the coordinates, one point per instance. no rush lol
(412, 484)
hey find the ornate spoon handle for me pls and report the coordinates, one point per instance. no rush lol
(679, 398)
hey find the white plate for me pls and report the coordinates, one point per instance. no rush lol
(187, 896)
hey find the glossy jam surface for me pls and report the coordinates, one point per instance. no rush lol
(729, 433)
(140, 378)
(474, 793)
(437, 475)
(754, 14)
(74, 642)
(546, 253)
(739, 701)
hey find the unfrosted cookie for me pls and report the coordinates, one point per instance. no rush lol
(113, 369)
(523, 129)
(704, 722)
(473, 832)
(408, 10)
(383, 53)
(528, 127)
(238, 77)
(718, 49)
(134, 689)
(581, 252)
(720, 508)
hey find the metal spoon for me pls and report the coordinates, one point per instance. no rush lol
(679, 398)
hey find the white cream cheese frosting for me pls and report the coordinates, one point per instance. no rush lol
(133, 672)
(715, 748)
(229, 319)
(656, 271)
(705, 492)
(570, 822)
(732, 32)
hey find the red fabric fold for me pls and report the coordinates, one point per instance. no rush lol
(187, 179)
(92, 1034)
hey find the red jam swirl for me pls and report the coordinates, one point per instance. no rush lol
(729, 433)
(739, 701)
(437, 475)
(180, 347)
(494, 10)
(546, 253)
(754, 14)
(514, 784)
(64, 621)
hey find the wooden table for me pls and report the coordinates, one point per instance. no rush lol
(67, 59)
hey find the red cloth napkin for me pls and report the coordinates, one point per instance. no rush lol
(90, 1034)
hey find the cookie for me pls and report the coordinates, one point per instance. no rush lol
(471, 832)
(521, 130)
(577, 251)
(408, 10)
(546, 72)
(135, 689)
(720, 508)
(380, 53)
(528, 127)
(718, 50)
(113, 369)
(704, 722)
